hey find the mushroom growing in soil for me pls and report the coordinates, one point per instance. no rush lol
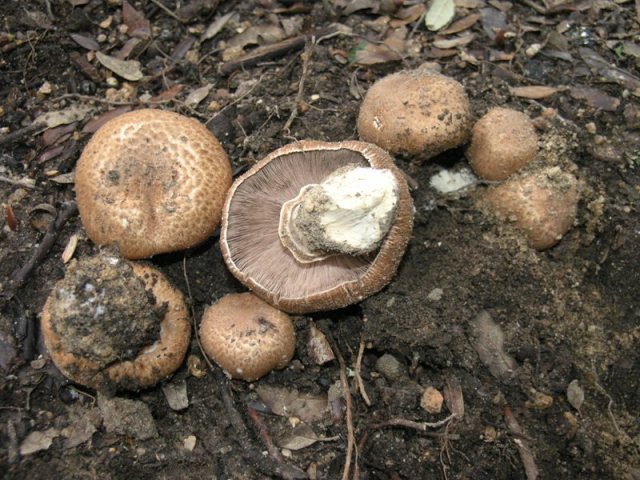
(417, 112)
(317, 225)
(542, 204)
(246, 336)
(502, 142)
(150, 182)
(111, 324)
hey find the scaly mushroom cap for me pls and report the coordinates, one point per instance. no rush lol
(254, 253)
(151, 181)
(541, 204)
(502, 142)
(153, 362)
(246, 336)
(417, 112)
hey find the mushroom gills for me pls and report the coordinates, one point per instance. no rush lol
(350, 212)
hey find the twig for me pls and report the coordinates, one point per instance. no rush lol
(306, 57)
(536, 7)
(528, 461)
(20, 133)
(166, 10)
(421, 426)
(67, 210)
(363, 391)
(347, 397)
(18, 183)
(264, 434)
(275, 50)
(267, 465)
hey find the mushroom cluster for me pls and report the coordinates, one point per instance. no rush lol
(317, 225)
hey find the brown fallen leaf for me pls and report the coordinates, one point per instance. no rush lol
(453, 397)
(455, 42)
(596, 98)
(534, 92)
(390, 50)
(257, 35)
(462, 24)
(137, 24)
(10, 218)
(405, 16)
(94, 124)
(88, 43)
(487, 339)
(198, 95)
(127, 69)
(284, 402)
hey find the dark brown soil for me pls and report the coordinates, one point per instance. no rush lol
(570, 315)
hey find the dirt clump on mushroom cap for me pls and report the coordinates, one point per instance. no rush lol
(246, 336)
(542, 204)
(503, 141)
(150, 182)
(416, 112)
(110, 324)
(252, 247)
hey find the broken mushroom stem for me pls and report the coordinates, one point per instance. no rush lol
(350, 212)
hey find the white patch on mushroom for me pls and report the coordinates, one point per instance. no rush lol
(350, 212)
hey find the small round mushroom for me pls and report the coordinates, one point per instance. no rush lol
(150, 182)
(502, 142)
(246, 336)
(542, 204)
(111, 324)
(417, 112)
(317, 225)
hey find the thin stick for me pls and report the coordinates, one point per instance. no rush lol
(422, 426)
(347, 398)
(67, 210)
(166, 10)
(306, 57)
(264, 434)
(528, 461)
(18, 183)
(361, 389)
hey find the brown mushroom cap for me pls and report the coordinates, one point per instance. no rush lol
(252, 249)
(417, 112)
(502, 142)
(151, 364)
(151, 181)
(246, 336)
(542, 204)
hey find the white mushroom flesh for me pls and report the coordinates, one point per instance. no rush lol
(349, 212)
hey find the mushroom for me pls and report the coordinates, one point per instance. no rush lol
(542, 204)
(246, 336)
(502, 142)
(317, 225)
(417, 112)
(111, 324)
(151, 181)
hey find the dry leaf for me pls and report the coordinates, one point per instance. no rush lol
(37, 441)
(391, 49)
(406, 16)
(462, 24)
(575, 394)
(455, 42)
(302, 436)
(72, 114)
(284, 402)
(453, 397)
(534, 92)
(85, 42)
(216, 26)
(70, 249)
(488, 341)
(94, 124)
(257, 35)
(440, 13)
(596, 98)
(10, 218)
(198, 95)
(127, 69)
(176, 394)
(137, 24)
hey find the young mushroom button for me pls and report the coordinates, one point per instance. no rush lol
(150, 182)
(317, 225)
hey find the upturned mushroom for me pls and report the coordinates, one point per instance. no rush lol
(111, 324)
(317, 225)
(150, 182)
(502, 142)
(416, 112)
(542, 204)
(246, 336)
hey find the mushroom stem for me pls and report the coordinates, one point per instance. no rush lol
(349, 212)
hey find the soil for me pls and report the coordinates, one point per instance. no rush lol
(537, 353)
